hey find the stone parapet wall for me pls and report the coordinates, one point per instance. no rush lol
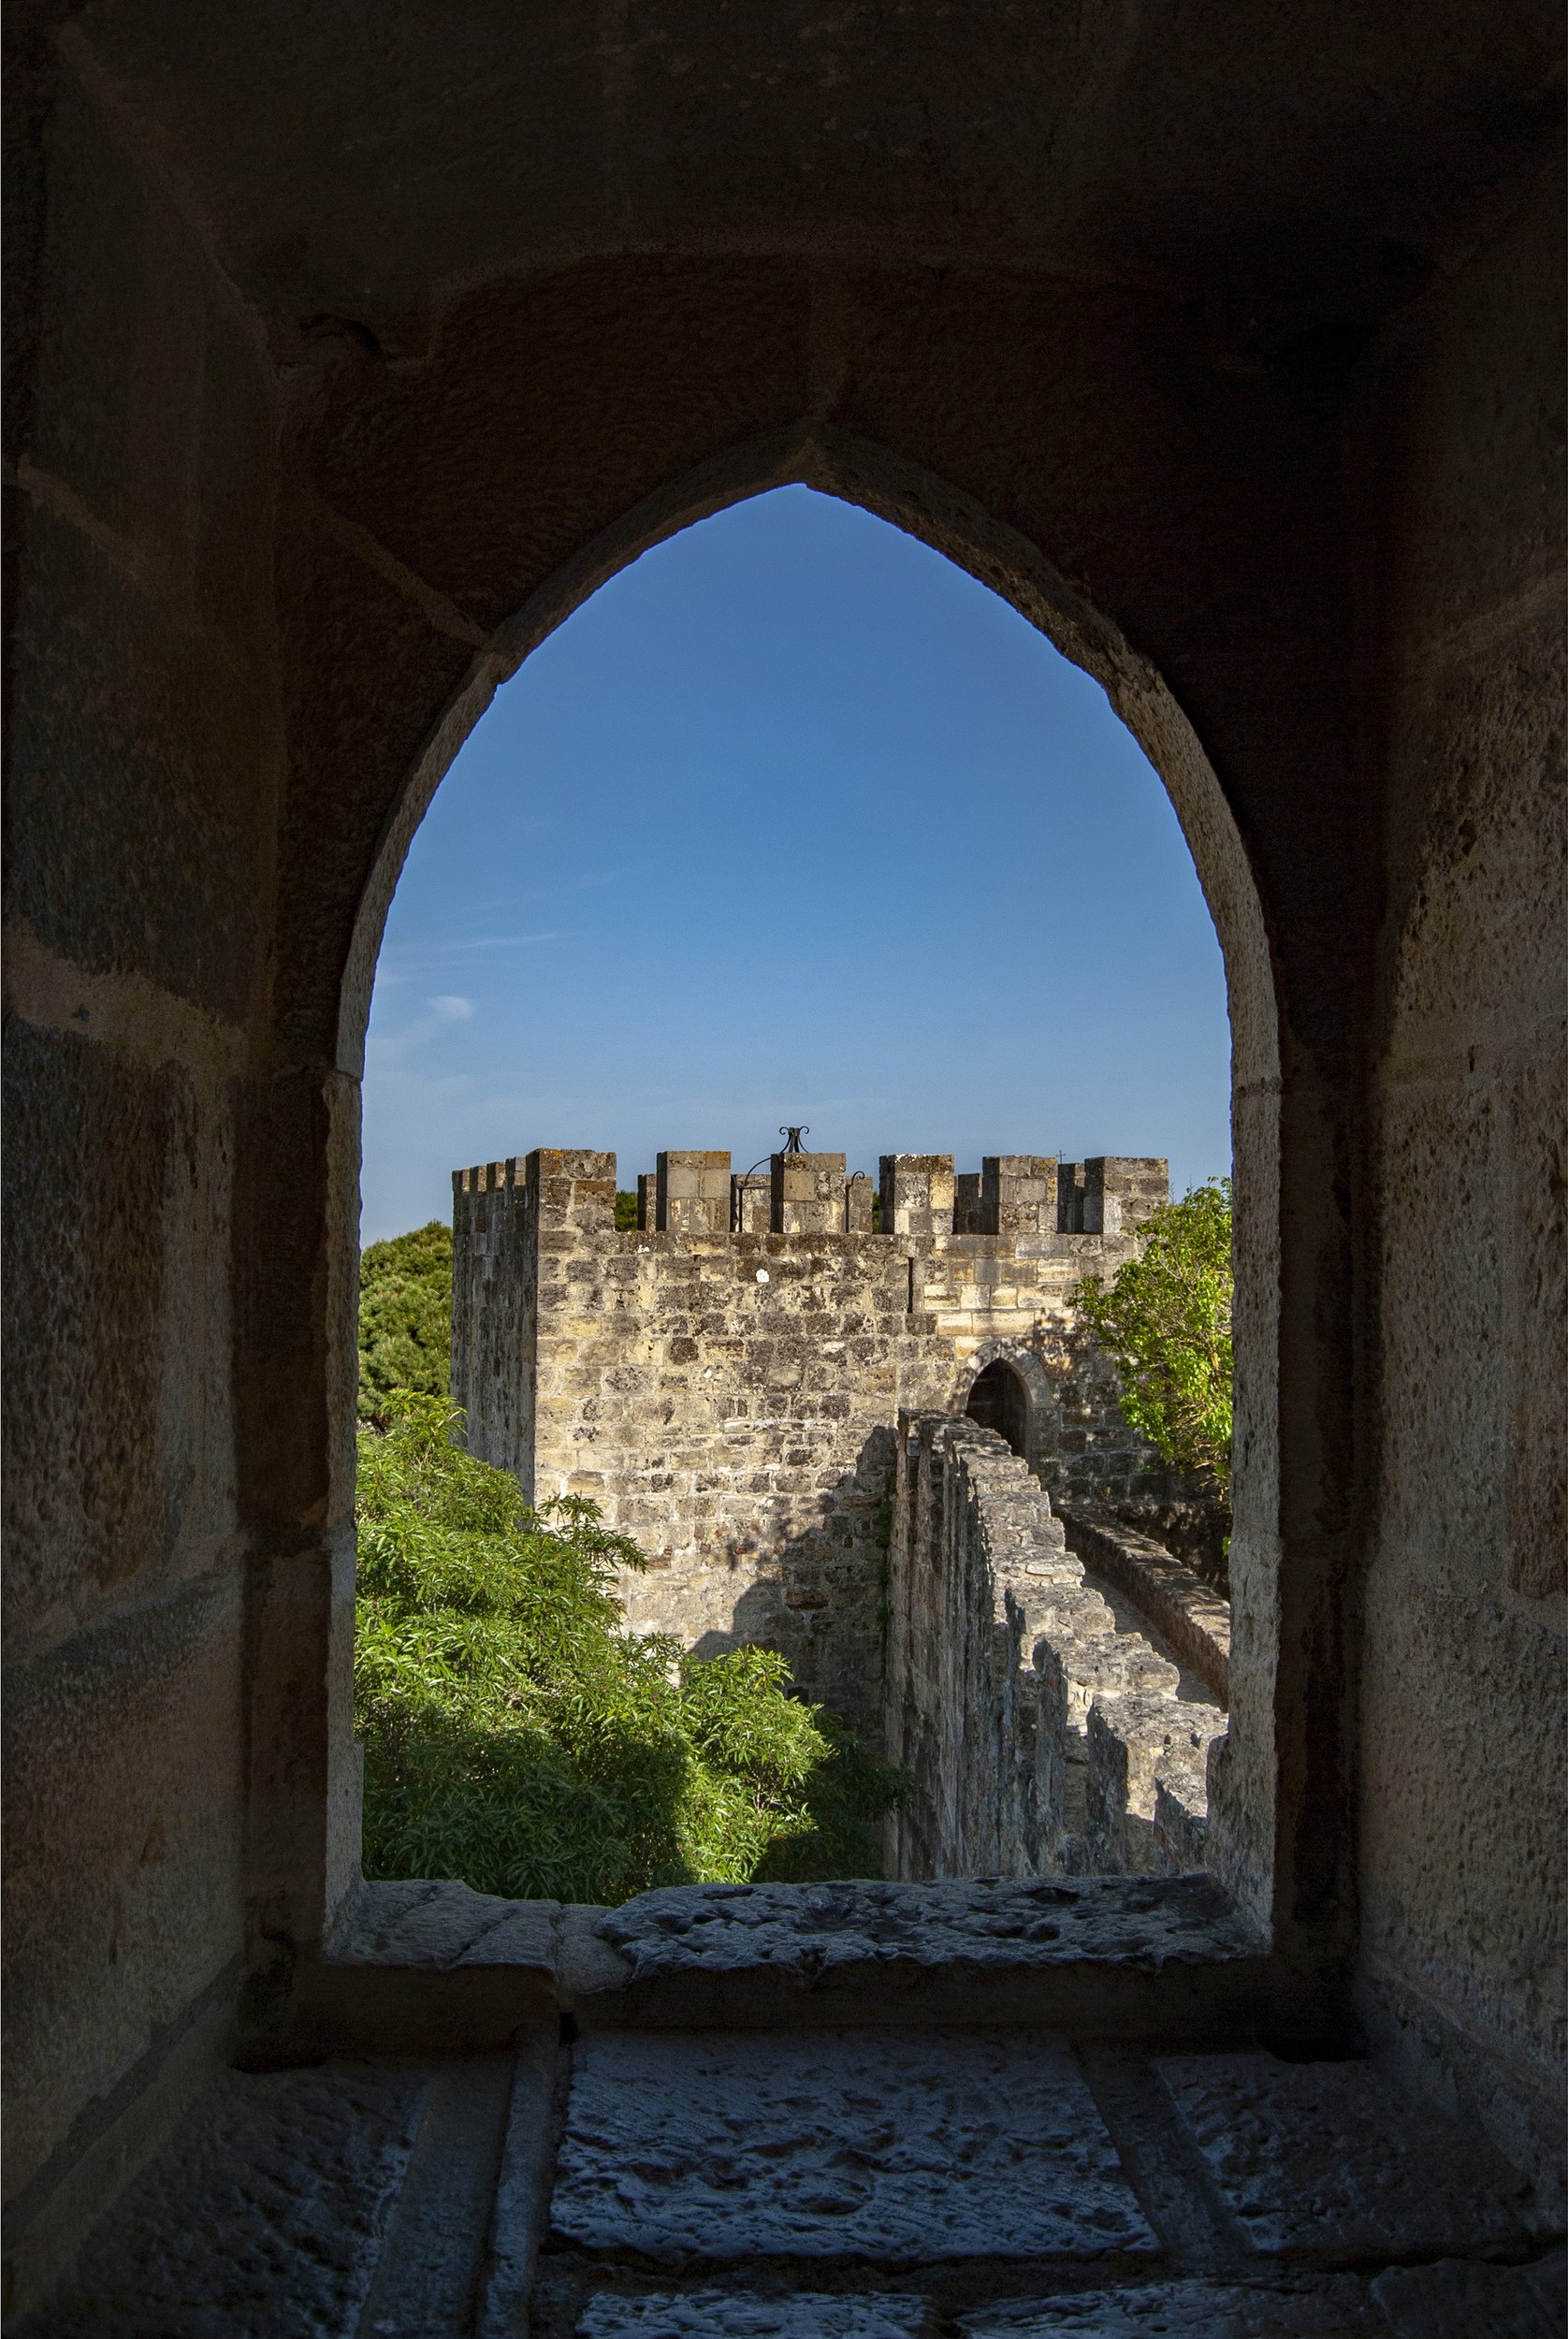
(1037, 1723)
(973, 1550)
(1109, 1193)
(1143, 1746)
(1180, 1821)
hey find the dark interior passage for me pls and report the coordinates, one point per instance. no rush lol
(998, 1401)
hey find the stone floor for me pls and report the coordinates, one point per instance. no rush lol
(862, 2183)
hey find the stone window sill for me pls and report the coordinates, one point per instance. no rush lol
(416, 1965)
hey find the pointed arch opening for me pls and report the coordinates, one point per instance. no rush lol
(943, 518)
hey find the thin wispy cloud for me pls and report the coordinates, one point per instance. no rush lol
(496, 942)
(404, 963)
(390, 1050)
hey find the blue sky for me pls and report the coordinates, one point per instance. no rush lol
(795, 821)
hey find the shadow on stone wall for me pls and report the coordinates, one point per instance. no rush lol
(1196, 1533)
(819, 1595)
(753, 1625)
(1088, 1458)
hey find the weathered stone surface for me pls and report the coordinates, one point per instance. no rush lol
(977, 1561)
(1333, 2161)
(743, 2315)
(1459, 2300)
(443, 1925)
(1034, 1707)
(583, 1959)
(434, 2258)
(264, 2216)
(429, 1967)
(816, 1928)
(120, 1741)
(125, 693)
(1328, 2307)
(521, 2191)
(394, 2200)
(1463, 1891)
(1182, 1816)
(138, 599)
(898, 2147)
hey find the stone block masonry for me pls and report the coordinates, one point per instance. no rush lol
(691, 1193)
(725, 1380)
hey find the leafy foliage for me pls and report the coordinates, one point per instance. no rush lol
(405, 1318)
(1165, 1322)
(518, 1737)
(625, 1213)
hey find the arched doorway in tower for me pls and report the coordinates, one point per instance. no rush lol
(999, 1401)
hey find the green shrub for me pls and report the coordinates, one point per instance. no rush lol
(1166, 1321)
(517, 1736)
(625, 1213)
(405, 1318)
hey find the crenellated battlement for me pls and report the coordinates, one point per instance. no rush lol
(695, 1193)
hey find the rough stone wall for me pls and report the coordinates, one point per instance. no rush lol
(1080, 1446)
(1039, 1714)
(146, 1520)
(1465, 1896)
(730, 1399)
(1185, 1611)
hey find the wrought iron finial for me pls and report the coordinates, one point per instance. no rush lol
(794, 1136)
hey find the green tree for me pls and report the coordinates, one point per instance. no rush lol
(405, 1318)
(625, 1213)
(1165, 1319)
(517, 1736)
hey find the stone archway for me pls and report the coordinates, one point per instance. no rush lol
(955, 524)
(1018, 1391)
